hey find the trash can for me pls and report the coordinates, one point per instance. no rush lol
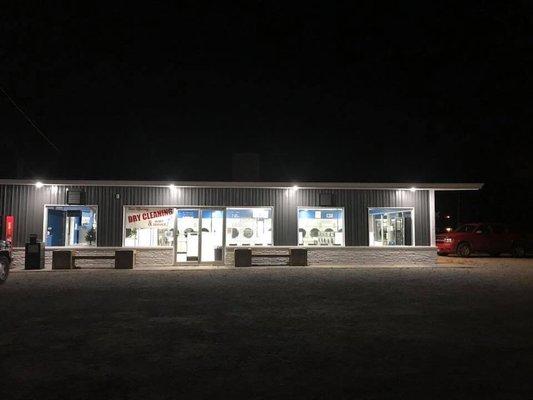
(218, 253)
(34, 254)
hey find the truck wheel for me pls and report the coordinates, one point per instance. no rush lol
(518, 251)
(4, 269)
(464, 250)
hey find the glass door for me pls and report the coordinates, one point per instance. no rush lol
(212, 236)
(199, 235)
(187, 236)
(391, 227)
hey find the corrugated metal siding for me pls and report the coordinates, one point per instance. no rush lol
(26, 203)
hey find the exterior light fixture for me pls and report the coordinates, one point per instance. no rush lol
(173, 189)
(39, 184)
(53, 188)
(290, 190)
(448, 229)
(413, 189)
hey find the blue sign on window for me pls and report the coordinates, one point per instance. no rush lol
(241, 213)
(188, 213)
(320, 214)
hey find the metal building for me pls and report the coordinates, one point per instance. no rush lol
(201, 222)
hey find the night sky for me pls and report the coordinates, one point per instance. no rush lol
(414, 92)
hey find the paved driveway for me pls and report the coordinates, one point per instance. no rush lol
(486, 261)
(443, 332)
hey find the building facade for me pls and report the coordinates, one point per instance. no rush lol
(203, 222)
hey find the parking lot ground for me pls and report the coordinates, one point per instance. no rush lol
(461, 331)
(485, 261)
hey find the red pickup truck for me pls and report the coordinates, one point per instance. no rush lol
(493, 239)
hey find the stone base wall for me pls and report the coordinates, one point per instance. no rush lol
(374, 256)
(146, 257)
(401, 255)
(143, 257)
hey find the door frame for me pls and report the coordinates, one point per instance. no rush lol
(74, 206)
(397, 209)
(200, 218)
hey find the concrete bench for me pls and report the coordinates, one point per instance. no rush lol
(66, 259)
(295, 257)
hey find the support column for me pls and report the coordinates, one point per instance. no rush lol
(432, 241)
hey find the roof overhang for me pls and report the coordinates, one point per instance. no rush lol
(264, 185)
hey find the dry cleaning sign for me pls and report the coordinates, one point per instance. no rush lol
(138, 218)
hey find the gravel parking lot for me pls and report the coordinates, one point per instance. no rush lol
(445, 332)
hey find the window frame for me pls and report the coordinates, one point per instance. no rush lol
(248, 208)
(413, 225)
(174, 207)
(463, 225)
(45, 223)
(318, 208)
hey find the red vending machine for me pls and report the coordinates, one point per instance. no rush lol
(10, 228)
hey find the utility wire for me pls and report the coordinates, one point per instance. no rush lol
(32, 123)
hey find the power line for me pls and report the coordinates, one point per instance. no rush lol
(32, 123)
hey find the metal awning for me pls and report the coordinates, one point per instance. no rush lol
(264, 185)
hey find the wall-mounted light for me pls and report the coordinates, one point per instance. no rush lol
(413, 189)
(290, 190)
(39, 184)
(53, 189)
(173, 189)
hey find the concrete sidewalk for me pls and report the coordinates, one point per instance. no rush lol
(224, 267)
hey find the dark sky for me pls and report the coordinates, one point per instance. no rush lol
(415, 92)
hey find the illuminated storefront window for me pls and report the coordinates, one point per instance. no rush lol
(391, 226)
(70, 225)
(320, 226)
(250, 226)
(148, 226)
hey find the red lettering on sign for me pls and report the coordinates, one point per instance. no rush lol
(150, 215)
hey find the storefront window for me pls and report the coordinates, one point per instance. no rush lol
(148, 226)
(70, 225)
(249, 226)
(391, 226)
(320, 227)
